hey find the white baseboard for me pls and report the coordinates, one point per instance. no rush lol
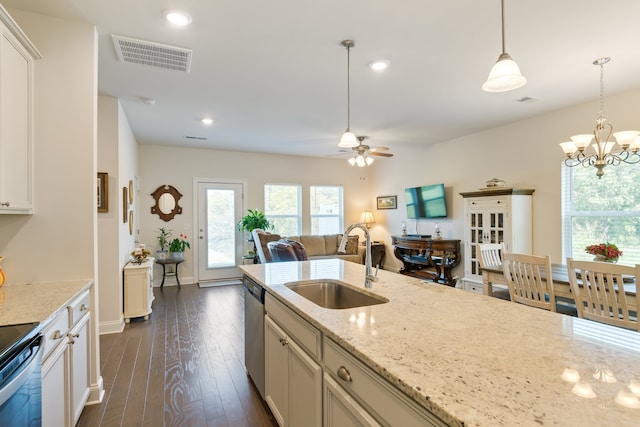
(114, 327)
(220, 283)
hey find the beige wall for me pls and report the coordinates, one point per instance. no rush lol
(58, 241)
(179, 166)
(525, 154)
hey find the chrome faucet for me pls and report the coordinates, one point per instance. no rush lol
(369, 277)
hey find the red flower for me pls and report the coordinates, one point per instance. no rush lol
(607, 250)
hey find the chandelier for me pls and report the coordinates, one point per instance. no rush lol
(348, 138)
(361, 159)
(603, 147)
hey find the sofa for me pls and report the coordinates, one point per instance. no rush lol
(315, 246)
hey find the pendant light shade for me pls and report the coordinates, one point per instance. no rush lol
(348, 139)
(505, 74)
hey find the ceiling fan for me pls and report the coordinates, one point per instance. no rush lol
(362, 153)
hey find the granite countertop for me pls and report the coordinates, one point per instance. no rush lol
(37, 302)
(471, 359)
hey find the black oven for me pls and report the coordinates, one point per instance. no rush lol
(20, 375)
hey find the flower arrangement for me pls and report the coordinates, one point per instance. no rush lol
(140, 255)
(607, 251)
(164, 238)
(179, 243)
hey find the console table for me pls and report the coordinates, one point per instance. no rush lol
(427, 258)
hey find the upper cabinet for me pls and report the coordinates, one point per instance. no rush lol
(17, 55)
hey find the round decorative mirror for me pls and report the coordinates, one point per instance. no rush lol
(166, 197)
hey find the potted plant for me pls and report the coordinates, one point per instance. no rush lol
(177, 245)
(604, 252)
(164, 240)
(254, 219)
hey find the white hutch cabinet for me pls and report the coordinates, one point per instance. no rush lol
(138, 289)
(17, 55)
(495, 215)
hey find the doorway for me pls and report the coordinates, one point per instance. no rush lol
(220, 245)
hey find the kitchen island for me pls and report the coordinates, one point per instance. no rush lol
(473, 360)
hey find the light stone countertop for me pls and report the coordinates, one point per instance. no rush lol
(474, 360)
(37, 302)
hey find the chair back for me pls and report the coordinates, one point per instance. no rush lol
(596, 288)
(490, 253)
(261, 238)
(287, 250)
(530, 280)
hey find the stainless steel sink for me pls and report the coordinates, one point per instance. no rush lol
(334, 294)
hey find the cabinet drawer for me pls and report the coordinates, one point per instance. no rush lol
(55, 332)
(79, 307)
(374, 392)
(305, 335)
(473, 287)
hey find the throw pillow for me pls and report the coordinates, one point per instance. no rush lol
(352, 245)
(298, 248)
(265, 238)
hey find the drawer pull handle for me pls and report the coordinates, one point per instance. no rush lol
(71, 338)
(5, 204)
(57, 335)
(84, 307)
(284, 341)
(344, 374)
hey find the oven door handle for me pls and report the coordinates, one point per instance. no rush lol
(26, 371)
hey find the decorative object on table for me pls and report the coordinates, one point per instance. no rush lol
(495, 182)
(387, 202)
(603, 154)
(367, 219)
(164, 240)
(604, 252)
(177, 246)
(125, 205)
(505, 74)
(404, 228)
(438, 235)
(166, 198)
(103, 192)
(3, 277)
(140, 255)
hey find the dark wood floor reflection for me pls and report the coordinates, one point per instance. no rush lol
(182, 367)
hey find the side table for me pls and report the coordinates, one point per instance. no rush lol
(169, 261)
(378, 254)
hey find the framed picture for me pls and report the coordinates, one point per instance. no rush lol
(103, 192)
(125, 204)
(387, 202)
(130, 191)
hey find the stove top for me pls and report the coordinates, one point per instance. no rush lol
(12, 336)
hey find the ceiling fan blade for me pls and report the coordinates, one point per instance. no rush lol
(373, 153)
(379, 149)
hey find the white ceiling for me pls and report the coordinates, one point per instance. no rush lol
(273, 75)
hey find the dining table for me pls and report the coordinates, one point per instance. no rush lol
(493, 275)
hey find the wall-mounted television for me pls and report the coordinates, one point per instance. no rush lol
(427, 201)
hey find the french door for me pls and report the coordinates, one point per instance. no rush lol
(220, 245)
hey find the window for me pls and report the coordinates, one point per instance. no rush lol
(327, 209)
(282, 207)
(598, 210)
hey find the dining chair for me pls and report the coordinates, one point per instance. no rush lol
(531, 282)
(491, 254)
(595, 287)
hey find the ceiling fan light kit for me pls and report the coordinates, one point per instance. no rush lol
(505, 74)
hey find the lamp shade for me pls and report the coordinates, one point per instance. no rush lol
(367, 218)
(348, 140)
(504, 76)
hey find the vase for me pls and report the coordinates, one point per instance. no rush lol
(177, 256)
(161, 254)
(602, 258)
(3, 277)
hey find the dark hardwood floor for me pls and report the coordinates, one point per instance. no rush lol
(182, 367)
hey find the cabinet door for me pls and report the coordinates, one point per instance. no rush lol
(79, 345)
(55, 388)
(340, 410)
(304, 388)
(275, 352)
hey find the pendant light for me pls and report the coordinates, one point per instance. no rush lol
(505, 74)
(348, 139)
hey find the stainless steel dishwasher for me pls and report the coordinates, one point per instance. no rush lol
(254, 332)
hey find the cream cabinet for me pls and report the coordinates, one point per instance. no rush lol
(138, 289)
(17, 55)
(500, 215)
(293, 377)
(65, 366)
(341, 410)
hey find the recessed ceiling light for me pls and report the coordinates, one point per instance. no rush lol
(379, 65)
(178, 18)
(148, 101)
(207, 121)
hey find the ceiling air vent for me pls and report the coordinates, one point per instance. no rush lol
(526, 100)
(153, 54)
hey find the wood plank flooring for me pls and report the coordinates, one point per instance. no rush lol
(182, 367)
